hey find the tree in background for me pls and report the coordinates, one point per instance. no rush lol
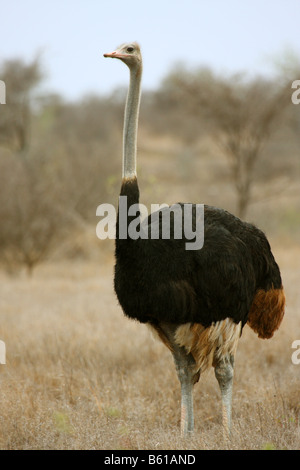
(239, 114)
(15, 118)
(30, 219)
(56, 165)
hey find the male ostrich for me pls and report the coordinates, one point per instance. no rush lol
(198, 301)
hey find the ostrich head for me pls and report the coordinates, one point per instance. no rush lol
(129, 53)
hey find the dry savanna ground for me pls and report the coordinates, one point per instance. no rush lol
(79, 375)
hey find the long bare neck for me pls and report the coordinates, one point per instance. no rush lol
(131, 123)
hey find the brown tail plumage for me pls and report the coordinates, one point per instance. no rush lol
(267, 312)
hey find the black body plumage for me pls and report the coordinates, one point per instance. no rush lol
(160, 281)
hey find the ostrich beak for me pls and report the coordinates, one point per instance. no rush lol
(114, 55)
(110, 54)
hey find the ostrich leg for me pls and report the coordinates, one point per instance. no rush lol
(185, 368)
(224, 375)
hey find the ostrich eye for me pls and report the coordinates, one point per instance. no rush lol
(130, 49)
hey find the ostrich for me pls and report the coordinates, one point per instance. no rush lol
(197, 301)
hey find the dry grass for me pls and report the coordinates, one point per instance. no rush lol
(81, 376)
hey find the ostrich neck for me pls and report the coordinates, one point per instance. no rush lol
(129, 186)
(131, 123)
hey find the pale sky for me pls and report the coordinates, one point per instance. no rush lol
(72, 35)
